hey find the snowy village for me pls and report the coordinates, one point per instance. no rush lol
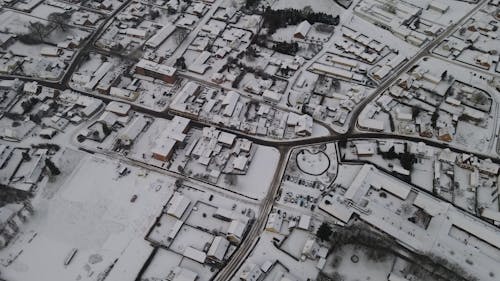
(249, 140)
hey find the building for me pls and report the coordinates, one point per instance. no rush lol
(229, 103)
(160, 36)
(170, 138)
(223, 214)
(195, 254)
(11, 217)
(235, 231)
(155, 70)
(251, 272)
(311, 248)
(136, 33)
(304, 222)
(274, 223)
(178, 205)
(439, 7)
(31, 88)
(118, 108)
(50, 52)
(302, 30)
(226, 139)
(371, 124)
(133, 129)
(182, 274)
(218, 249)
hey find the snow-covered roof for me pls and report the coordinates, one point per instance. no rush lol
(218, 248)
(119, 108)
(183, 274)
(179, 205)
(236, 228)
(156, 67)
(304, 222)
(195, 254)
(226, 138)
(303, 28)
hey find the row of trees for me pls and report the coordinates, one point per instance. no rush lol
(286, 48)
(274, 19)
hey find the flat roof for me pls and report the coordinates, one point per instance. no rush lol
(195, 254)
(156, 67)
(178, 206)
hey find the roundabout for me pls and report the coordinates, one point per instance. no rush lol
(313, 163)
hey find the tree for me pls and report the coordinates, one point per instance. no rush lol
(434, 118)
(415, 110)
(307, 10)
(180, 62)
(286, 48)
(59, 19)
(105, 129)
(416, 23)
(26, 156)
(251, 3)
(231, 179)
(52, 167)
(154, 13)
(178, 183)
(180, 35)
(324, 232)
(444, 75)
(37, 29)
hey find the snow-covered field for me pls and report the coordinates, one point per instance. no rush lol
(93, 213)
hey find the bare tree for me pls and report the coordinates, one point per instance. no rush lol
(230, 179)
(180, 35)
(59, 19)
(37, 29)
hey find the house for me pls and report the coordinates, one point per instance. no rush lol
(178, 205)
(251, 272)
(229, 103)
(118, 108)
(50, 52)
(304, 126)
(218, 249)
(31, 88)
(226, 139)
(136, 33)
(304, 222)
(271, 96)
(195, 254)
(302, 30)
(235, 231)
(274, 223)
(183, 274)
(365, 148)
(164, 149)
(371, 124)
(311, 248)
(439, 7)
(240, 162)
(484, 60)
(160, 36)
(133, 129)
(12, 215)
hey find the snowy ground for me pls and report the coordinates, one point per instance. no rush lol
(92, 214)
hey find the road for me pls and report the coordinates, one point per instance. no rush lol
(258, 226)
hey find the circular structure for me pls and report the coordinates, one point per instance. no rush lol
(313, 164)
(354, 259)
